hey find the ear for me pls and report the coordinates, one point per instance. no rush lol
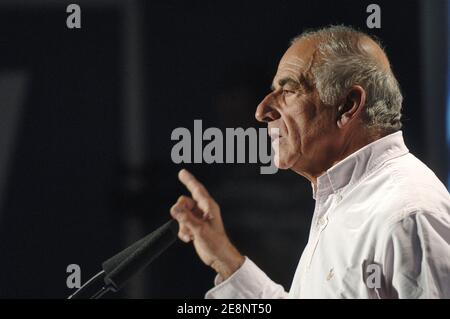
(354, 102)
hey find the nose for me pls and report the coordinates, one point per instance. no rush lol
(265, 111)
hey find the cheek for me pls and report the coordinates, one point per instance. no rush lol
(300, 122)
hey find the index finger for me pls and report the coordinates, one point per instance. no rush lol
(196, 188)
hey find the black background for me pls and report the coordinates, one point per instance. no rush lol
(67, 200)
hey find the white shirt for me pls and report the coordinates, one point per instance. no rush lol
(380, 229)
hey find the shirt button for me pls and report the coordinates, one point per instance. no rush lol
(321, 222)
(339, 197)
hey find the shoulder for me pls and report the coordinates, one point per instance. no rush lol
(407, 189)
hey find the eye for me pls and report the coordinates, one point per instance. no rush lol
(287, 91)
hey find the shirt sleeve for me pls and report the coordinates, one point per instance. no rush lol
(419, 256)
(248, 282)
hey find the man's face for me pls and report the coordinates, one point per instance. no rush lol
(307, 128)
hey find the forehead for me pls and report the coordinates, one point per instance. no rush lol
(296, 60)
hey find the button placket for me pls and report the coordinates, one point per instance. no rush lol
(322, 224)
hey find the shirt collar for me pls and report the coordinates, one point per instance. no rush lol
(360, 163)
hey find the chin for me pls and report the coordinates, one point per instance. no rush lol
(282, 163)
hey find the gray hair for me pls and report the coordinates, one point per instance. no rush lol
(342, 63)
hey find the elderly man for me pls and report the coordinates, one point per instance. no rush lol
(381, 224)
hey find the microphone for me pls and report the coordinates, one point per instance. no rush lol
(122, 266)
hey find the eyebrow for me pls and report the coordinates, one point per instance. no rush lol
(284, 81)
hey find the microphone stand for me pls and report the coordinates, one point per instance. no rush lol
(118, 269)
(86, 291)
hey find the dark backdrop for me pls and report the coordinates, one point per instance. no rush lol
(68, 194)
